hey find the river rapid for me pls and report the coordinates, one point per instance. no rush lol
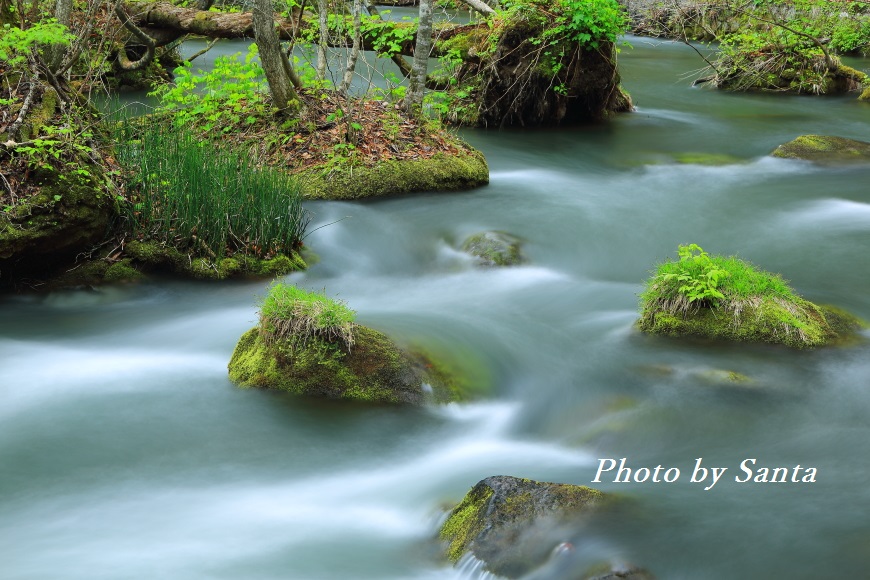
(127, 453)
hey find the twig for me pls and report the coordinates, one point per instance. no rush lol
(208, 47)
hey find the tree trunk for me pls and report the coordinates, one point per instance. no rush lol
(417, 82)
(54, 55)
(354, 51)
(322, 15)
(274, 62)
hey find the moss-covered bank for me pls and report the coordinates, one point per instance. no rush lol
(825, 149)
(445, 171)
(373, 370)
(506, 522)
(726, 298)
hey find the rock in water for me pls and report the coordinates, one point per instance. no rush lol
(825, 149)
(513, 525)
(375, 369)
(494, 248)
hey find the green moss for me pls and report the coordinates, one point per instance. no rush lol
(122, 271)
(375, 369)
(465, 522)
(711, 159)
(757, 307)
(824, 149)
(397, 177)
(68, 215)
(155, 256)
(865, 96)
(497, 521)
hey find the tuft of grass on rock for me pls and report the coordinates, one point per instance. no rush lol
(728, 298)
(289, 312)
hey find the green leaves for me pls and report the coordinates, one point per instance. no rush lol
(15, 42)
(229, 95)
(697, 274)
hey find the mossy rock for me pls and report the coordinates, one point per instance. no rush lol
(374, 370)
(825, 149)
(156, 257)
(749, 304)
(798, 323)
(40, 234)
(508, 522)
(442, 172)
(865, 96)
(494, 248)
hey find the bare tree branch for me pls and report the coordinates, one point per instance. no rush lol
(150, 44)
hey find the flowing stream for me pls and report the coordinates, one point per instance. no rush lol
(125, 452)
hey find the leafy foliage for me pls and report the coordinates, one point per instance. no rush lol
(700, 280)
(15, 42)
(230, 95)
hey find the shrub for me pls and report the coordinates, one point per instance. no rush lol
(291, 313)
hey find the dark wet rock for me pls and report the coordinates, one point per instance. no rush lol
(514, 525)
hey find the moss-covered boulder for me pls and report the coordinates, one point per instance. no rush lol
(494, 248)
(727, 298)
(825, 149)
(445, 171)
(513, 525)
(865, 96)
(307, 344)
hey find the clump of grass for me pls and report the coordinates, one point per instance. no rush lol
(726, 297)
(204, 199)
(298, 315)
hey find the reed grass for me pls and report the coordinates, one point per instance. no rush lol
(204, 198)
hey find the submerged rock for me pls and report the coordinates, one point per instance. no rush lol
(514, 525)
(825, 149)
(494, 248)
(374, 370)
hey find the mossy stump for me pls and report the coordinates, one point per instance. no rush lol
(744, 304)
(513, 524)
(374, 370)
(825, 149)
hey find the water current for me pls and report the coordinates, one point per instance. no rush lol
(125, 452)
